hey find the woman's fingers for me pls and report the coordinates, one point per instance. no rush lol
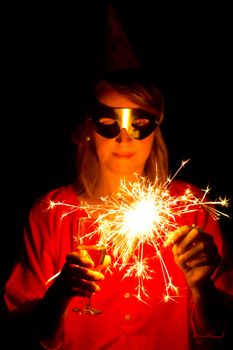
(177, 235)
(82, 260)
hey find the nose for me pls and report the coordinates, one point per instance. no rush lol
(123, 136)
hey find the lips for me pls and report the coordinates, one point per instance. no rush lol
(123, 155)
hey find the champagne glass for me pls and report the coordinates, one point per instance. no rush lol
(88, 244)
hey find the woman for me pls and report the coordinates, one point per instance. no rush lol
(113, 145)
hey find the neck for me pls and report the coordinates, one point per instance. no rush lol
(110, 183)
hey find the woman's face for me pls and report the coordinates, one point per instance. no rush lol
(122, 154)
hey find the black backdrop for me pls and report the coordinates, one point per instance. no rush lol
(50, 54)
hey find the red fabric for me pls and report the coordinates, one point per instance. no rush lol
(126, 322)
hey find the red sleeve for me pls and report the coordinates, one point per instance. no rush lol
(48, 237)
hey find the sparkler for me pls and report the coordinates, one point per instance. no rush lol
(143, 214)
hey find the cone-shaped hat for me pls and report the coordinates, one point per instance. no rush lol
(118, 52)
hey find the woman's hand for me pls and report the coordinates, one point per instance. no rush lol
(77, 277)
(195, 253)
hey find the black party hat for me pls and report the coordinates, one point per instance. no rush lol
(118, 51)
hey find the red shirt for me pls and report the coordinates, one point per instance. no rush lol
(126, 323)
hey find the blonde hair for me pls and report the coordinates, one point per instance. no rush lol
(133, 85)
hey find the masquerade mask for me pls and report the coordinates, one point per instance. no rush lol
(110, 120)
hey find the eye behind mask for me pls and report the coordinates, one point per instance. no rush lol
(109, 121)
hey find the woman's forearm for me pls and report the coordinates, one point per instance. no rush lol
(208, 310)
(49, 317)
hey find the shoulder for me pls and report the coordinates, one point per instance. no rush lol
(60, 197)
(179, 187)
(55, 212)
(67, 193)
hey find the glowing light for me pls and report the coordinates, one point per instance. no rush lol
(125, 118)
(143, 214)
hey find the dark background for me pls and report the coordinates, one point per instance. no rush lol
(50, 54)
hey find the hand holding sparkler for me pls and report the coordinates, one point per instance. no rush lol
(195, 253)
